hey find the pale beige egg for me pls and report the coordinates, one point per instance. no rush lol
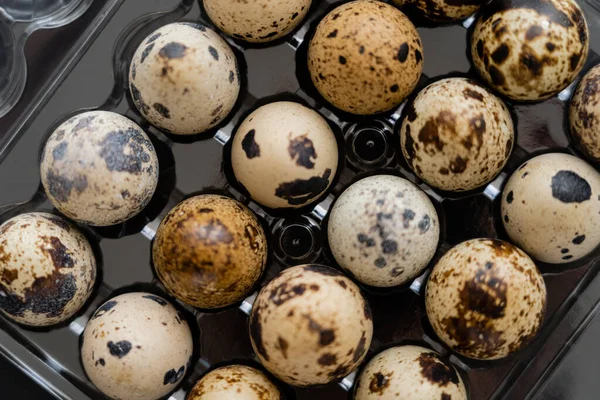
(235, 382)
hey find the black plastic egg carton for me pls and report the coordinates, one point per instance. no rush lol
(200, 164)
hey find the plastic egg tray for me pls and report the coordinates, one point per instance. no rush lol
(200, 164)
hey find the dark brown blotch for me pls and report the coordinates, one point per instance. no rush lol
(436, 370)
(379, 383)
(301, 149)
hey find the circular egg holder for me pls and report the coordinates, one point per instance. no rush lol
(368, 146)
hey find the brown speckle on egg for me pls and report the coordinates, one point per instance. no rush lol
(584, 114)
(235, 382)
(443, 10)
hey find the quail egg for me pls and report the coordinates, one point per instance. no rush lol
(530, 51)
(383, 230)
(47, 269)
(485, 299)
(136, 346)
(365, 57)
(584, 114)
(310, 325)
(285, 155)
(209, 251)
(257, 21)
(184, 78)
(456, 135)
(441, 10)
(235, 382)
(550, 208)
(99, 168)
(409, 373)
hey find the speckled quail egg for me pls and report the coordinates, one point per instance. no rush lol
(310, 325)
(383, 230)
(485, 299)
(456, 135)
(235, 382)
(47, 269)
(209, 251)
(442, 10)
(136, 346)
(409, 373)
(550, 208)
(257, 21)
(99, 168)
(365, 57)
(285, 155)
(584, 114)
(530, 50)
(184, 78)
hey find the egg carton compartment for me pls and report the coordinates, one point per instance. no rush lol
(199, 164)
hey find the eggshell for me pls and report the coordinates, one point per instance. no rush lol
(257, 21)
(456, 135)
(383, 230)
(443, 10)
(136, 346)
(584, 114)
(209, 251)
(409, 373)
(310, 325)
(99, 168)
(550, 208)
(365, 57)
(184, 78)
(235, 382)
(285, 155)
(485, 299)
(47, 269)
(530, 50)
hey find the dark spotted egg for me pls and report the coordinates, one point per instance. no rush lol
(257, 21)
(365, 57)
(485, 299)
(235, 382)
(209, 251)
(310, 325)
(384, 230)
(550, 208)
(443, 10)
(136, 346)
(99, 168)
(285, 155)
(456, 135)
(409, 372)
(47, 269)
(184, 78)
(529, 50)
(584, 114)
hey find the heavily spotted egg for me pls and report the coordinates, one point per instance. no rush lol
(136, 346)
(310, 325)
(551, 208)
(235, 382)
(184, 78)
(443, 10)
(584, 114)
(529, 50)
(365, 57)
(485, 299)
(99, 168)
(47, 269)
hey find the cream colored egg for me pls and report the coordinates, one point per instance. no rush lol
(529, 51)
(99, 168)
(310, 325)
(456, 135)
(485, 299)
(442, 10)
(365, 57)
(551, 208)
(584, 114)
(184, 78)
(383, 230)
(47, 269)
(235, 382)
(409, 373)
(285, 155)
(136, 346)
(257, 21)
